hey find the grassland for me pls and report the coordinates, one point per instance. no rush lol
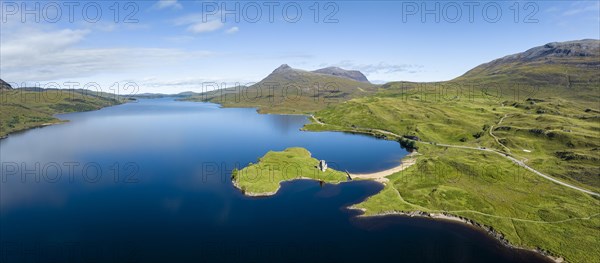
(528, 211)
(264, 177)
(555, 134)
(553, 131)
(21, 110)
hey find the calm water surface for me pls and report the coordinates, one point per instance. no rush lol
(148, 182)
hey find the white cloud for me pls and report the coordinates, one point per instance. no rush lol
(162, 4)
(203, 27)
(35, 55)
(196, 23)
(378, 68)
(232, 30)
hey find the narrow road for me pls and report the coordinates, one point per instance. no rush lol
(514, 160)
(496, 138)
(522, 164)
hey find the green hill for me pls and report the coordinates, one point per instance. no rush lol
(26, 108)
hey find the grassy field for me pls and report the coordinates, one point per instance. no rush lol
(265, 177)
(556, 135)
(529, 211)
(23, 110)
(553, 130)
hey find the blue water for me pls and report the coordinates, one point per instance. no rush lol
(149, 182)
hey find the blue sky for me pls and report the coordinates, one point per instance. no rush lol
(174, 46)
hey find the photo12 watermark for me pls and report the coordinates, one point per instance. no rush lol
(469, 11)
(69, 172)
(69, 11)
(71, 90)
(271, 92)
(270, 11)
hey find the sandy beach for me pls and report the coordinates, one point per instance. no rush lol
(380, 176)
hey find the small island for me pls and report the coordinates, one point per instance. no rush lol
(264, 178)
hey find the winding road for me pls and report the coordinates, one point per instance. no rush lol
(496, 138)
(514, 160)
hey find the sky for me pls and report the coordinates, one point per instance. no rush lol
(174, 46)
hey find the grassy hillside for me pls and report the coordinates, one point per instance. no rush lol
(292, 91)
(528, 211)
(540, 107)
(23, 109)
(559, 136)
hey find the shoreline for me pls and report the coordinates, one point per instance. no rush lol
(37, 126)
(56, 120)
(272, 193)
(461, 220)
(380, 177)
(434, 216)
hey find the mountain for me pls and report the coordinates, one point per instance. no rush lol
(557, 62)
(285, 74)
(290, 90)
(555, 52)
(339, 72)
(4, 85)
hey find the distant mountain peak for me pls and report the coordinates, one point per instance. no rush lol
(340, 72)
(577, 48)
(355, 75)
(282, 68)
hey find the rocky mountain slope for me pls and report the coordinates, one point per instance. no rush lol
(557, 62)
(4, 85)
(339, 72)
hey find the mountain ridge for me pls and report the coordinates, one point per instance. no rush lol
(340, 72)
(291, 90)
(552, 59)
(4, 85)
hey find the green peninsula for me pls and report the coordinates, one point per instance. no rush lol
(264, 178)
